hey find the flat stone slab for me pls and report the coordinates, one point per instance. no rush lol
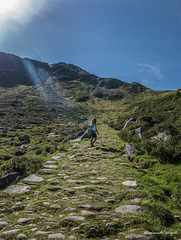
(33, 178)
(50, 166)
(51, 162)
(129, 209)
(17, 189)
(74, 218)
(56, 236)
(130, 183)
(21, 236)
(3, 224)
(39, 233)
(69, 209)
(139, 237)
(11, 232)
(24, 220)
(87, 213)
(58, 156)
(110, 200)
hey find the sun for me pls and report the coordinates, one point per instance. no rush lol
(10, 7)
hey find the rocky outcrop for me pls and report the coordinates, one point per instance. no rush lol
(129, 147)
(163, 136)
(8, 179)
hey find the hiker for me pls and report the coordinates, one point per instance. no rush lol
(93, 132)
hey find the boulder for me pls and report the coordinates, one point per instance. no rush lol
(164, 136)
(24, 138)
(8, 179)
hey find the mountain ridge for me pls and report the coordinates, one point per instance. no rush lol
(24, 71)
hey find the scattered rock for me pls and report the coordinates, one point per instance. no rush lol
(130, 183)
(45, 172)
(129, 209)
(110, 225)
(33, 178)
(56, 236)
(17, 189)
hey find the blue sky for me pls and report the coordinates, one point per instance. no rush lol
(132, 40)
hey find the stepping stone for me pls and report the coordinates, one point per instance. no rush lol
(39, 233)
(50, 166)
(82, 187)
(74, 218)
(130, 183)
(139, 237)
(3, 224)
(91, 207)
(33, 178)
(87, 213)
(56, 236)
(11, 232)
(69, 209)
(51, 162)
(110, 200)
(45, 172)
(129, 209)
(136, 200)
(95, 182)
(58, 156)
(24, 220)
(17, 189)
(55, 206)
(21, 236)
(130, 191)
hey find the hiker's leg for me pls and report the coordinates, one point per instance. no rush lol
(91, 141)
(94, 140)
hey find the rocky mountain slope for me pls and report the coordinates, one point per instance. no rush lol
(42, 108)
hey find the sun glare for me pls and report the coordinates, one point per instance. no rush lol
(10, 7)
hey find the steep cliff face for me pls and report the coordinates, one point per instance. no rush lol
(17, 71)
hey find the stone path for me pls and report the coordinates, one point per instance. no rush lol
(79, 194)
